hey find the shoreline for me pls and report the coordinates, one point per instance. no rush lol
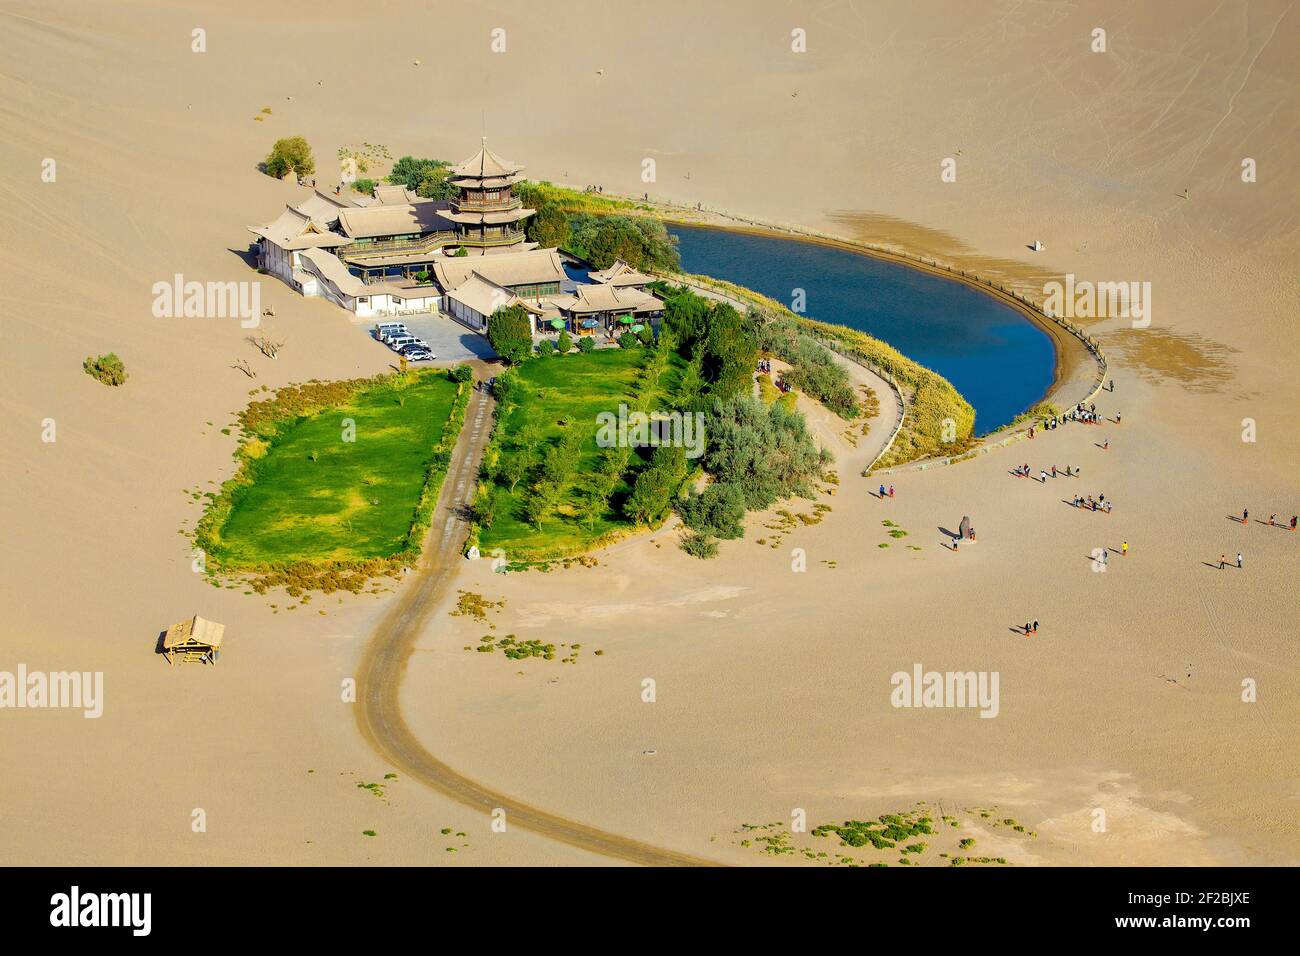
(1067, 360)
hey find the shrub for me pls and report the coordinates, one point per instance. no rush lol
(699, 546)
(563, 343)
(646, 335)
(717, 511)
(107, 369)
(545, 347)
(461, 373)
(290, 153)
(364, 186)
(586, 343)
(627, 340)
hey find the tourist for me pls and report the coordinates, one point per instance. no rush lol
(1245, 515)
(1053, 471)
(882, 492)
(891, 491)
(1272, 520)
(1035, 627)
(1239, 560)
(1123, 549)
(1293, 521)
(1044, 478)
(1106, 445)
(1118, 418)
(1031, 431)
(1223, 561)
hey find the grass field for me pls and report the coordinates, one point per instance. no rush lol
(553, 392)
(307, 494)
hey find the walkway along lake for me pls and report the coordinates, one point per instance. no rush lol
(1000, 361)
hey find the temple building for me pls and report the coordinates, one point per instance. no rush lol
(487, 213)
(394, 253)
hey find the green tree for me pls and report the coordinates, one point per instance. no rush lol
(550, 227)
(563, 343)
(290, 153)
(730, 353)
(510, 332)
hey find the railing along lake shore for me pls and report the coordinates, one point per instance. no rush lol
(1034, 311)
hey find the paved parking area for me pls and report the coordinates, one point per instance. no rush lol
(450, 341)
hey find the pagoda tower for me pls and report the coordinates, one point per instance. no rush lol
(487, 214)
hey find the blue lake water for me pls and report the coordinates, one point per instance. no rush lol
(1000, 361)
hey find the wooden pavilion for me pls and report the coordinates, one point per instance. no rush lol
(194, 641)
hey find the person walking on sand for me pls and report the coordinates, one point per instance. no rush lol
(1272, 520)
(1044, 478)
(1105, 446)
(1035, 627)
(1245, 515)
(1053, 471)
(882, 492)
(1223, 561)
(1118, 418)
(1293, 521)
(1238, 560)
(891, 491)
(1123, 549)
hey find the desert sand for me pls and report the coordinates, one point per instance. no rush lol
(772, 686)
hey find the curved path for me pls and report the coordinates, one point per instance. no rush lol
(383, 664)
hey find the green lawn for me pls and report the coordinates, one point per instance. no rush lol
(314, 497)
(573, 389)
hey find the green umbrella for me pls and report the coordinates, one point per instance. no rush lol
(626, 319)
(637, 328)
(557, 323)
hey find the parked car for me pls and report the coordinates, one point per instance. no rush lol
(384, 329)
(418, 355)
(397, 342)
(419, 345)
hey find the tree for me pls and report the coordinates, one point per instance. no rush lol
(563, 343)
(656, 486)
(291, 153)
(460, 373)
(510, 332)
(628, 341)
(585, 343)
(437, 184)
(513, 468)
(550, 227)
(730, 353)
(717, 511)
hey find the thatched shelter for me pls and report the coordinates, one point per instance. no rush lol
(197, 640)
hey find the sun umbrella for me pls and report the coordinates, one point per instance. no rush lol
(637, 328)
(557, 323)
(626, 319)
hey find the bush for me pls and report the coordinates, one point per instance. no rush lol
(586, 343)
(699, 546)
(364, 186)
(563, 343)
(291, 153)
(545, 347)
(461, 373)
(646, 335)
(764, 450)
(107, 369)
(718, 511)
(627, 341)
